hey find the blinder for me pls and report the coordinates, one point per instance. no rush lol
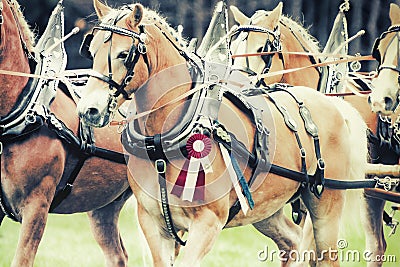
(269, 46)
(129, 60)
(84, 49)
(375, 51)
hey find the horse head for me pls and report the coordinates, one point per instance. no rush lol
(274, 42)
(129, 46)
(114, 47)
(258, 34)
(384, 98)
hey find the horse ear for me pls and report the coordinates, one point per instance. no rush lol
(394, 14)
(136, 15)
(276, 14)
(101, 9)
(239, 16)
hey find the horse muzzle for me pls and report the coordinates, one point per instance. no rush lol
(92, 116)
(383, 105)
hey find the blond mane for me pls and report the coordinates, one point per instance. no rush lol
(297, 29)
(27, 34)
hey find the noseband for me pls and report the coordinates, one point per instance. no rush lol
(130, 62)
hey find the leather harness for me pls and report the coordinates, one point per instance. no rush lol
(32, 111)
(205, 107)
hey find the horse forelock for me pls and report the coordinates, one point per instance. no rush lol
(27, 34)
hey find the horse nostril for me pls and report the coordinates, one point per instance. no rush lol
(92, 112)
(369, 100)
(388, 103)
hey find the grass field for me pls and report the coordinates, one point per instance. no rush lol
(68, 242)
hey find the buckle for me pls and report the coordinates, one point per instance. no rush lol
(321, 164)
(160, 165)
(303, 153)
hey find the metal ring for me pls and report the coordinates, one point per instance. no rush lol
(121, 128)
(30, 118)
(112, 106)
(162, 167)
(128, 79)
(142, 48)
(303, 153)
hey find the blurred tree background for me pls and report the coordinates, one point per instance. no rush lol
(195, 15)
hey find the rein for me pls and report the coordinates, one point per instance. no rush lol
(332, 55)
(322, 64)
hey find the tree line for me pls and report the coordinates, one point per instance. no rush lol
(195, 15)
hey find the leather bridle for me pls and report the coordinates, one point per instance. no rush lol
(377, 55)
(273, 45)
(380, 57)
(130, 61)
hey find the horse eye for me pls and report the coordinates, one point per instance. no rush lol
(123, 55)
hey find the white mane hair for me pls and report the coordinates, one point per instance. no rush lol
(150, 17)
(297, 28)
(27, 34)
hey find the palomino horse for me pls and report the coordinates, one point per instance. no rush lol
(134, 52)
(380, 152)
(32, 165)
(384, 100)
(290, 37)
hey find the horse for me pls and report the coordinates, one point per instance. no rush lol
(137, 55)
(33, 162)
(384, 101)
(294, 38)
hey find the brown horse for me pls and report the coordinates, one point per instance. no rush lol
(383, 100)
(32, 165)
(135, 52)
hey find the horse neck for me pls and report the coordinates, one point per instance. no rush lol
(12, 58)
(169, 79)
(291, 43)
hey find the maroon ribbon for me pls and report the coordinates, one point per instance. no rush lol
(196, 150)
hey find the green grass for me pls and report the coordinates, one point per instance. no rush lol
(68, 242)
